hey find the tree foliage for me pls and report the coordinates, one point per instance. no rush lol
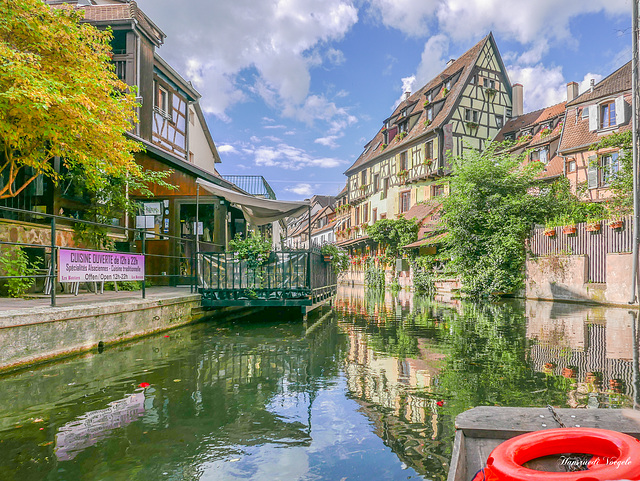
(254, 249)
(60, 96)
(495, 198)
(393, 234)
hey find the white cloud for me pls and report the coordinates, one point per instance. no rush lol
(288, 157)
(226, 149)
(432, 61)
(409, 16)
(544, 86)
(328, 141)
(336, 57)
(272, 39)
(530, 23)
(304, 190)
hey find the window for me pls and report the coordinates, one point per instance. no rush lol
(508, 113)
(541, 155)
(405, 201)
(585, 112)
(363, 177)
(489, 83)
(607, 115)
(429, 114)
(610, 167)
(374, 215)
(499, 121)
(428, 147)
(162, 100)
(365, 213)
(358, 215)
(437, 190)
(385, 187)
(473, 79)
(403, 161)
(471, 115)
(376, 183)
(571, 166)
(447, 84)
(429, 97)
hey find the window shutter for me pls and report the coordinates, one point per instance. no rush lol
(593, 117)
(592, 172)
(621, 110)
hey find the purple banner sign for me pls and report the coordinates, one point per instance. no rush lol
(92, 266)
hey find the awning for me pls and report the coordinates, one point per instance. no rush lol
(257, 211)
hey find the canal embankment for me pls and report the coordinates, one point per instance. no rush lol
(31, 331)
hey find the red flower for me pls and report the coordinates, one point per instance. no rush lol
(440, 403)
(144, 384)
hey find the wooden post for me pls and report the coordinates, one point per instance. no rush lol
(54, 262)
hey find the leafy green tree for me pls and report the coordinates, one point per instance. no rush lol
(495, 198)
(393, 234)
(60, 96)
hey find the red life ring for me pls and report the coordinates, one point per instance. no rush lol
(617, 455)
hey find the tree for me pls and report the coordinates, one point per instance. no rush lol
(60, 97)
(495, 198)
(393, 234)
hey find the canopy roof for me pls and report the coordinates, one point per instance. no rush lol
(257, 211)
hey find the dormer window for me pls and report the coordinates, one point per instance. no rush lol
(429, 114)
(447, 84)
(429, 97)
(607, 114)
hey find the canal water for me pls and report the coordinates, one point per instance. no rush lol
(370, 392)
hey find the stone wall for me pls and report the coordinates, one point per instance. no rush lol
(31, 335)
(557, 277)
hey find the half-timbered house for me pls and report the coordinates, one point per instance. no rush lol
(459, 109)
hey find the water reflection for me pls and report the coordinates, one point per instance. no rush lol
(414, 363)
(371, 393)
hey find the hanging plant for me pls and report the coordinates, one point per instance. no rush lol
(384, 146)
(472, 125)
(545, 132)
(427, 123)
(490, 92)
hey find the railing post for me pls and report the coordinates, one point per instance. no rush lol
(194, 271)
(54, 262)
(144, 271)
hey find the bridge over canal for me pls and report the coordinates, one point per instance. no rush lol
(290, 278)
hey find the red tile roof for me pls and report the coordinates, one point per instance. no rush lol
(532, 120)
(462, 65)
(555, 168)
(618, 81)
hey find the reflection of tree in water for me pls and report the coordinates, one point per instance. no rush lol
(483, 359)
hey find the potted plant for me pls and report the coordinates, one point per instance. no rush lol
(427, 123)
(472, 125)
(445, 91)
(570, 228)
(384, 146)
(363, 188)
(490, 92)
(402, 135)
(593, 225)
(545, 132)
(550, 231)
(425, 104)
(428, 162)
(616, 223)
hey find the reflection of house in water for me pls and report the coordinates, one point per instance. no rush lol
(395, 393)
(593, 345)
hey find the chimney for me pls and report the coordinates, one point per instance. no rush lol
(572, 91)
(592, 85)
(450, 62)
(517, 108)
(407, 94)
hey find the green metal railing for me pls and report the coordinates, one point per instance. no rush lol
(302, 275)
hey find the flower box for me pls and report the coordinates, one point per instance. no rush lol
(616, 224)
(594, 226)
(550, 232)
(569, 229)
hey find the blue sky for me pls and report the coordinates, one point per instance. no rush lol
(293, 89)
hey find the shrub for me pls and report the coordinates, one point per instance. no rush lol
(16, 263)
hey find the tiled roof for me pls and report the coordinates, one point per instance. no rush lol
(555, 168)
(115, 12)
(618, 81)
(463, 64)
(531, 120)
(576, 134)
(421, 211)
(427, 241)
